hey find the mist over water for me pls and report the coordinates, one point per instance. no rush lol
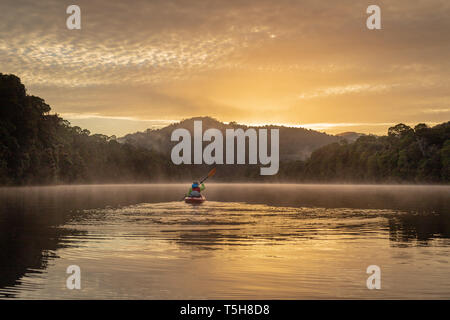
(247, 241)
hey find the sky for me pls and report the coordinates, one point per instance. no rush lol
(145, 64)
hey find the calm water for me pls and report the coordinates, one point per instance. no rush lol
(247, 241)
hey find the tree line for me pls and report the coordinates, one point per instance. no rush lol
(37, 147)
(418, 155)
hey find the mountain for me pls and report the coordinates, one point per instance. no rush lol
(295, 143)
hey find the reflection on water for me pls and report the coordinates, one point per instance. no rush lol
(247, 241)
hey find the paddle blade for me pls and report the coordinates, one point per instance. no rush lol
(212, 172)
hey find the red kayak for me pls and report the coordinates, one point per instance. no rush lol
(195, 200)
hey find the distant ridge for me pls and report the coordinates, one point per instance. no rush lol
(295, 143)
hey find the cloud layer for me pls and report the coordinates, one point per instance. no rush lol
(293, 62)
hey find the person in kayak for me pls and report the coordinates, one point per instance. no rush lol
(195, 190)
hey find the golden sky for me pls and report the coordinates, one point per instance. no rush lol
(140, 64)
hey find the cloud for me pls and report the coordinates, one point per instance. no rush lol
(303, 61)
(348, 89)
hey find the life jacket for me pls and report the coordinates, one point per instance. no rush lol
(197, 188)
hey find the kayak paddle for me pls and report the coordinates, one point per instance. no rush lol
(210, 174)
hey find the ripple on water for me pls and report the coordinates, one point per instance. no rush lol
(227, 223)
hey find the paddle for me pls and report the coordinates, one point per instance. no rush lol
(210, 174)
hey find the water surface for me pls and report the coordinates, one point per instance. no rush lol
(250, 241)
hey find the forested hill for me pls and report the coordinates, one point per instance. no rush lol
(37, 147)
(295, 143)
(419, 155)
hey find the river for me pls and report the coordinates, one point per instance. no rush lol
(248, 241)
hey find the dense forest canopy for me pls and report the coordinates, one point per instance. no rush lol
(40, 148)
(420, 154)
(37, 147)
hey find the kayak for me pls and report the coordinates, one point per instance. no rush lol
(195, 200)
